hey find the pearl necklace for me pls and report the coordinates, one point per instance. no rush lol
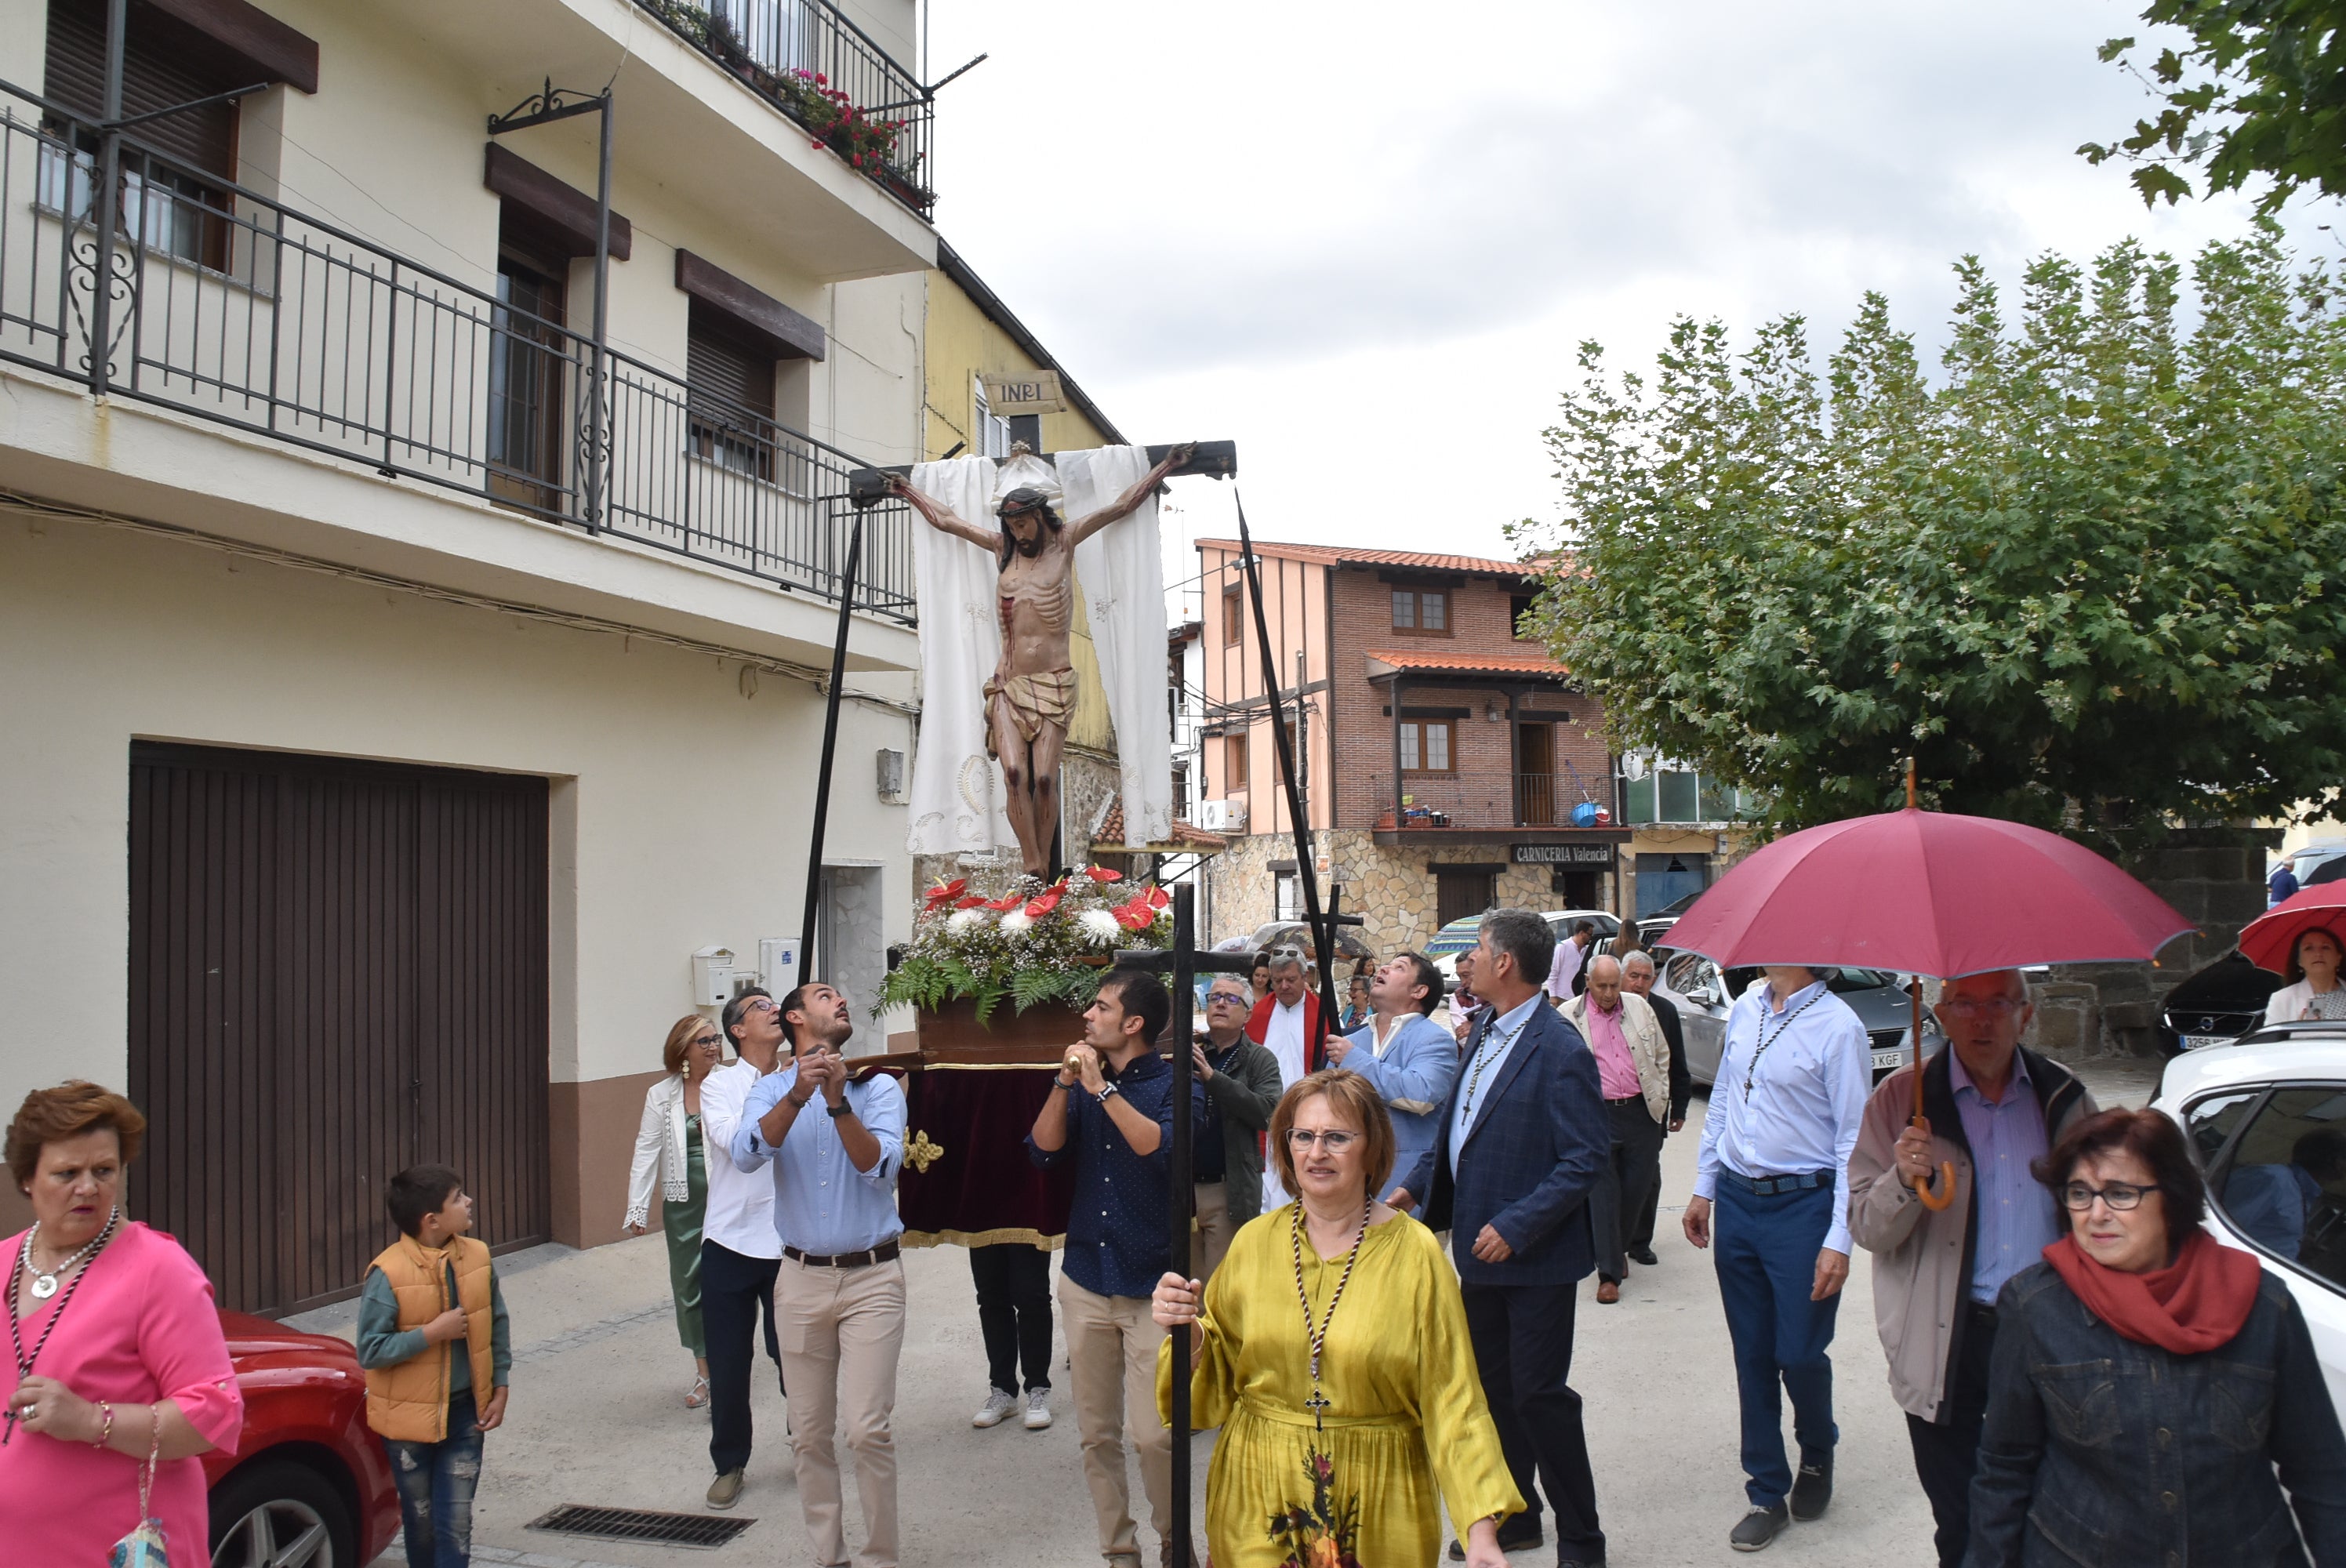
(44, 1280)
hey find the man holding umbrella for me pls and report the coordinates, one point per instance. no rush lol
(1776, 1144)
(1990, 1107)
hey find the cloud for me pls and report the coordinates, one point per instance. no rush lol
(1364, 240)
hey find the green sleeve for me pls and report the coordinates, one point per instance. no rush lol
(500, 1333)
(380, 1340)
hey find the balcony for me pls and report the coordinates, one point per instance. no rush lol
(227, 306)
(1433, 805)
(810, 61)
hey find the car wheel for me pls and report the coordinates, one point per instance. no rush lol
(281, 1515)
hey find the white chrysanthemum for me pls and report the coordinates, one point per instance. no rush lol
(1017, 920)
(963, 920)
(1100, 926)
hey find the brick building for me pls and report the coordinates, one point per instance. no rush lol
(1447, 764)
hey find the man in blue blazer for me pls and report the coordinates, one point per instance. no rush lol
(1407, 1059)
(1517, 1151)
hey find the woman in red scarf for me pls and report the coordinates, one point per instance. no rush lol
(2147, 1380)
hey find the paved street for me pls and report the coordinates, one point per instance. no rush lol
(598, 1379)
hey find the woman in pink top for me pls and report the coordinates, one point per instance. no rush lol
(116, 1350)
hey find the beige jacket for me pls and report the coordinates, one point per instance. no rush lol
(1922, 1259)
(1648, 1047)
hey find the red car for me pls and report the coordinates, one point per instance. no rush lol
(310, 1484)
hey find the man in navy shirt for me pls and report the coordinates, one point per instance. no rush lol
(1112, 1112)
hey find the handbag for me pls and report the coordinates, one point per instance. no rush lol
(144, 1547)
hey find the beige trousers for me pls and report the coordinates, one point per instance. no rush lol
(842, 1330)
(1112, 1347)
(1214, 1230)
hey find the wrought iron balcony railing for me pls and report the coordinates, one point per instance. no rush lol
(1434, 801)
(227, 305)
(810, 61)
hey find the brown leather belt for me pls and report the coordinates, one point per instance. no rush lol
(880, 1254)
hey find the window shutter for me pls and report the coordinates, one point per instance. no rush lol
(162, 65)
(722, 368)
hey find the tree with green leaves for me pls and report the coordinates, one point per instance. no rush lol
(2257, 92)
(2092, 577)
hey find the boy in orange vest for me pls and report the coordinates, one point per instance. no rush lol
(431, 1332)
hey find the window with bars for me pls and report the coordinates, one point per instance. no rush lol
(1425, 611)
(167, 203)
(1425, 745)
(731, 389)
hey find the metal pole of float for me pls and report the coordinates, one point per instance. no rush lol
(830, 746)
(1323, 931)
(1181, 963)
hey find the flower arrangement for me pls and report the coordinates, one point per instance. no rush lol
(1035, 943)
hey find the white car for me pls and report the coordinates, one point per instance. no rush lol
(2266, 1119)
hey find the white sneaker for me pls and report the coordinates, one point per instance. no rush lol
(1038, 1408)
(997, 1405)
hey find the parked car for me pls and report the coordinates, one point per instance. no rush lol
(2266, 1119)
(1461, 934)
(2217, 1005)
(2323, 861)
(1655, 928)
(310, 1484)
(1703, 996)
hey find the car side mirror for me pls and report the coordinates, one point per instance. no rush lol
(1703, 996)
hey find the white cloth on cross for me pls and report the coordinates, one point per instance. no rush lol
(957, 791)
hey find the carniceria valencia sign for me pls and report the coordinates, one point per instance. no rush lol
(1563, 854)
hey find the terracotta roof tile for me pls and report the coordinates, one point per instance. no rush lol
(1109, 835)
(1466, 663)
(1331, 556)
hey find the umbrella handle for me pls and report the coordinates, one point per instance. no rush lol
(1938, 1194)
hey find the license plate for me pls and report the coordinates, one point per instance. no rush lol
(1889, 1061)
(2201, 1041)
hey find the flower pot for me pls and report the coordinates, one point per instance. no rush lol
(1038, 1037)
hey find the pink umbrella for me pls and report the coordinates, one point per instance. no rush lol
(1929, 893)
(2270, 939)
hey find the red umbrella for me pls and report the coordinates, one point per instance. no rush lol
(1929, 894)
(2271, 937)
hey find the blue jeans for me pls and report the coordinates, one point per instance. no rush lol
(436, 1481)
(1765, 1253)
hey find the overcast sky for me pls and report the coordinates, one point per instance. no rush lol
(1363, 241)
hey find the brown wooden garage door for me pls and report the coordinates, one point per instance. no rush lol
(337, 970)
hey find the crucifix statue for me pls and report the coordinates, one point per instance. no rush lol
(1031, 696)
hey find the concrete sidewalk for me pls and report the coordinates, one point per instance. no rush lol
(597, 1417)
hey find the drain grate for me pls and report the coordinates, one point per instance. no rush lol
(641, 1524)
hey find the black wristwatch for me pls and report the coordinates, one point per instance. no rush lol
(840, 1109)
(1106, 1089)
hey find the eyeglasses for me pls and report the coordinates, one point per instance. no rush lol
(1335, 1139)
(1232, 997)
(709, 1040)
(1980, 1006)
(2121, 1196)
(763, 1005)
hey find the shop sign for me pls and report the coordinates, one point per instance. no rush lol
(1564, 855)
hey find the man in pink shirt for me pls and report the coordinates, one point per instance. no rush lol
(1632, 1069)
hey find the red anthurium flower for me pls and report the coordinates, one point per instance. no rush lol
(946, 892)
(1102, 874)
(1134, 918)
(1157, 898)
(1043, 903)
(971, 902)
(1010, 902)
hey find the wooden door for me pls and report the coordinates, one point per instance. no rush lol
(337, 970)
(1536, 775)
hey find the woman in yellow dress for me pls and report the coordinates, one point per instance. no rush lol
(1333, 1353)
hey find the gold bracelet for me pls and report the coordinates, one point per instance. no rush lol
(105, 1431)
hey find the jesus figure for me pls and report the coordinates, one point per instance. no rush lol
(1030, 694)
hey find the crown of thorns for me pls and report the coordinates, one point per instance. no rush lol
(1025, 499)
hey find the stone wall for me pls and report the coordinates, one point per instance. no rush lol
(2215, 878)
(1392, 889)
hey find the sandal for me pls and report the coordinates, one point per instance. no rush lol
(699, 1395)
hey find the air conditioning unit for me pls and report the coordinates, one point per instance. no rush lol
(1222, 816)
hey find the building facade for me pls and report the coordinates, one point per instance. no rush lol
(412, 631)
(1447, 765)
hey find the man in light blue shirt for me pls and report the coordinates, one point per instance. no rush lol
(1776, 1140)
(1407, 1059)
(840, 1289)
